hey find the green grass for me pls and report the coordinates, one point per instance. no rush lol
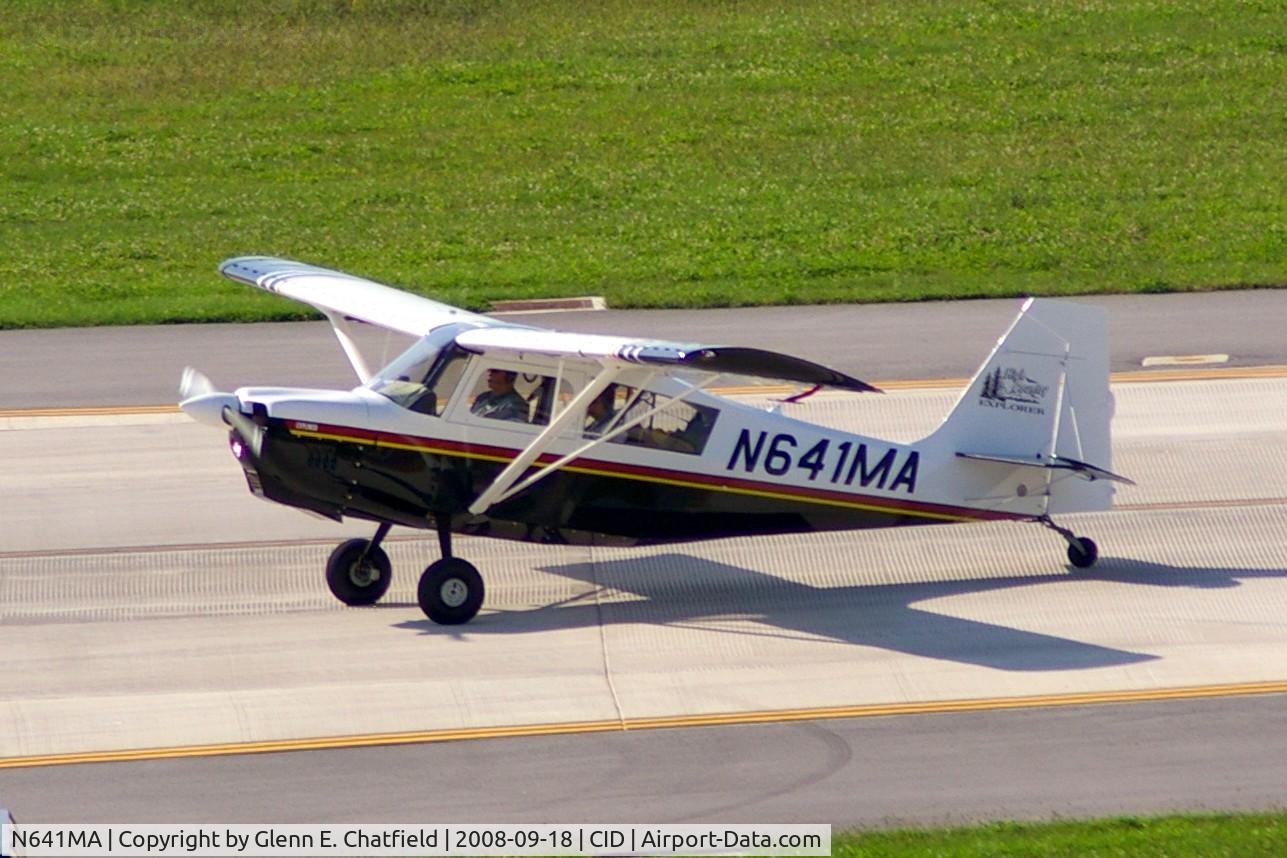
(1164, 837)
(661, 154)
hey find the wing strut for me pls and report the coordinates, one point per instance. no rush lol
(507, 483)
(616, 430)
(514, 470)
(342, 333)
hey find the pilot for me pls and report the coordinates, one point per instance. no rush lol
(500, 401)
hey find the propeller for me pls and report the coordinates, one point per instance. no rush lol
(202, 401)
(194, 382)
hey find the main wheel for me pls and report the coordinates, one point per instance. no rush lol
(1083, 552)
(451, 591)
(355, 579)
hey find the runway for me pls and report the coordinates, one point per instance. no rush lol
(148, 602)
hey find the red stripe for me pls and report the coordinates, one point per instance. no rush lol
(640, 471)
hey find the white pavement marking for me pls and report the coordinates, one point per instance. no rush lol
(1183, 360)
(232, 642)
(548, 305)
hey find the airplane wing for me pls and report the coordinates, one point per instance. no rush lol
(346, 296)
(663, 353)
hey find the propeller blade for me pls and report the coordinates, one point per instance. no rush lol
(193, 382)
(201, 401)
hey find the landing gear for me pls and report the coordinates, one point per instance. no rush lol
(1082, 550)
(451, 590)
(358, 571)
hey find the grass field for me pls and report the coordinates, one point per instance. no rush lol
(1166, 837)
(661, 154)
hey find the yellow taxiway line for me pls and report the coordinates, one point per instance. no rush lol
(775, 716)
(89, 411)
(1132, 377)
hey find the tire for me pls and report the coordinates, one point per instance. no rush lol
(1083, 553)
(355, 581)
(450, 591)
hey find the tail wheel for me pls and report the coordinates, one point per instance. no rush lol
(358, 573)
(451, 591)
(1082, 552)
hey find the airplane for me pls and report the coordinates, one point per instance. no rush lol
(492, 428)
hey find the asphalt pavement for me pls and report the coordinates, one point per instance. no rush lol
(132, 366)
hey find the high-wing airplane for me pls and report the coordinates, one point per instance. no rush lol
(491, 428)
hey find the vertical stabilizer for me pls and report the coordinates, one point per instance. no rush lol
(1041, 400)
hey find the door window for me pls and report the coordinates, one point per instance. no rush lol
(515, 396)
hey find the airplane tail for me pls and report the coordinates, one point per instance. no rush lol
(1031, 431)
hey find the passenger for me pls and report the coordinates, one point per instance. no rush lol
(661, 439)
(500, 401)
(600, 412)
(601, 417)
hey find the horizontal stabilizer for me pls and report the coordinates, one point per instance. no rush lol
(705, 358)
(1058, 463)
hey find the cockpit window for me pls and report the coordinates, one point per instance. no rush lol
(442, 381)
(424, 377)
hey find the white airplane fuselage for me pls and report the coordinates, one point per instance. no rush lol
(359, 454)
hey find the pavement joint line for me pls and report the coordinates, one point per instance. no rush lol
(1126, 377)
(427, 536)
(1088, 698)
(1229, 503)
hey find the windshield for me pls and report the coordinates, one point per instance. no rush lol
(423, 377)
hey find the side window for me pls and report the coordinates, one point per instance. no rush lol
(518, 397)
(680, 427)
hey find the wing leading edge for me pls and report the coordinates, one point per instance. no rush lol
(346, 296)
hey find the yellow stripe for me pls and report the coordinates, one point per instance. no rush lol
(836, 502)
(1088, 698)
(89, 411)
(1244, 372)
(645, 478)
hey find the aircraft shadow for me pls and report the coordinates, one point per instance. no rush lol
(679, 589)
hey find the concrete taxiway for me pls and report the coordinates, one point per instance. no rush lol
(150, 602)
(153, 611)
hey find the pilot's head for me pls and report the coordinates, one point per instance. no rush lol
(500, 380)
